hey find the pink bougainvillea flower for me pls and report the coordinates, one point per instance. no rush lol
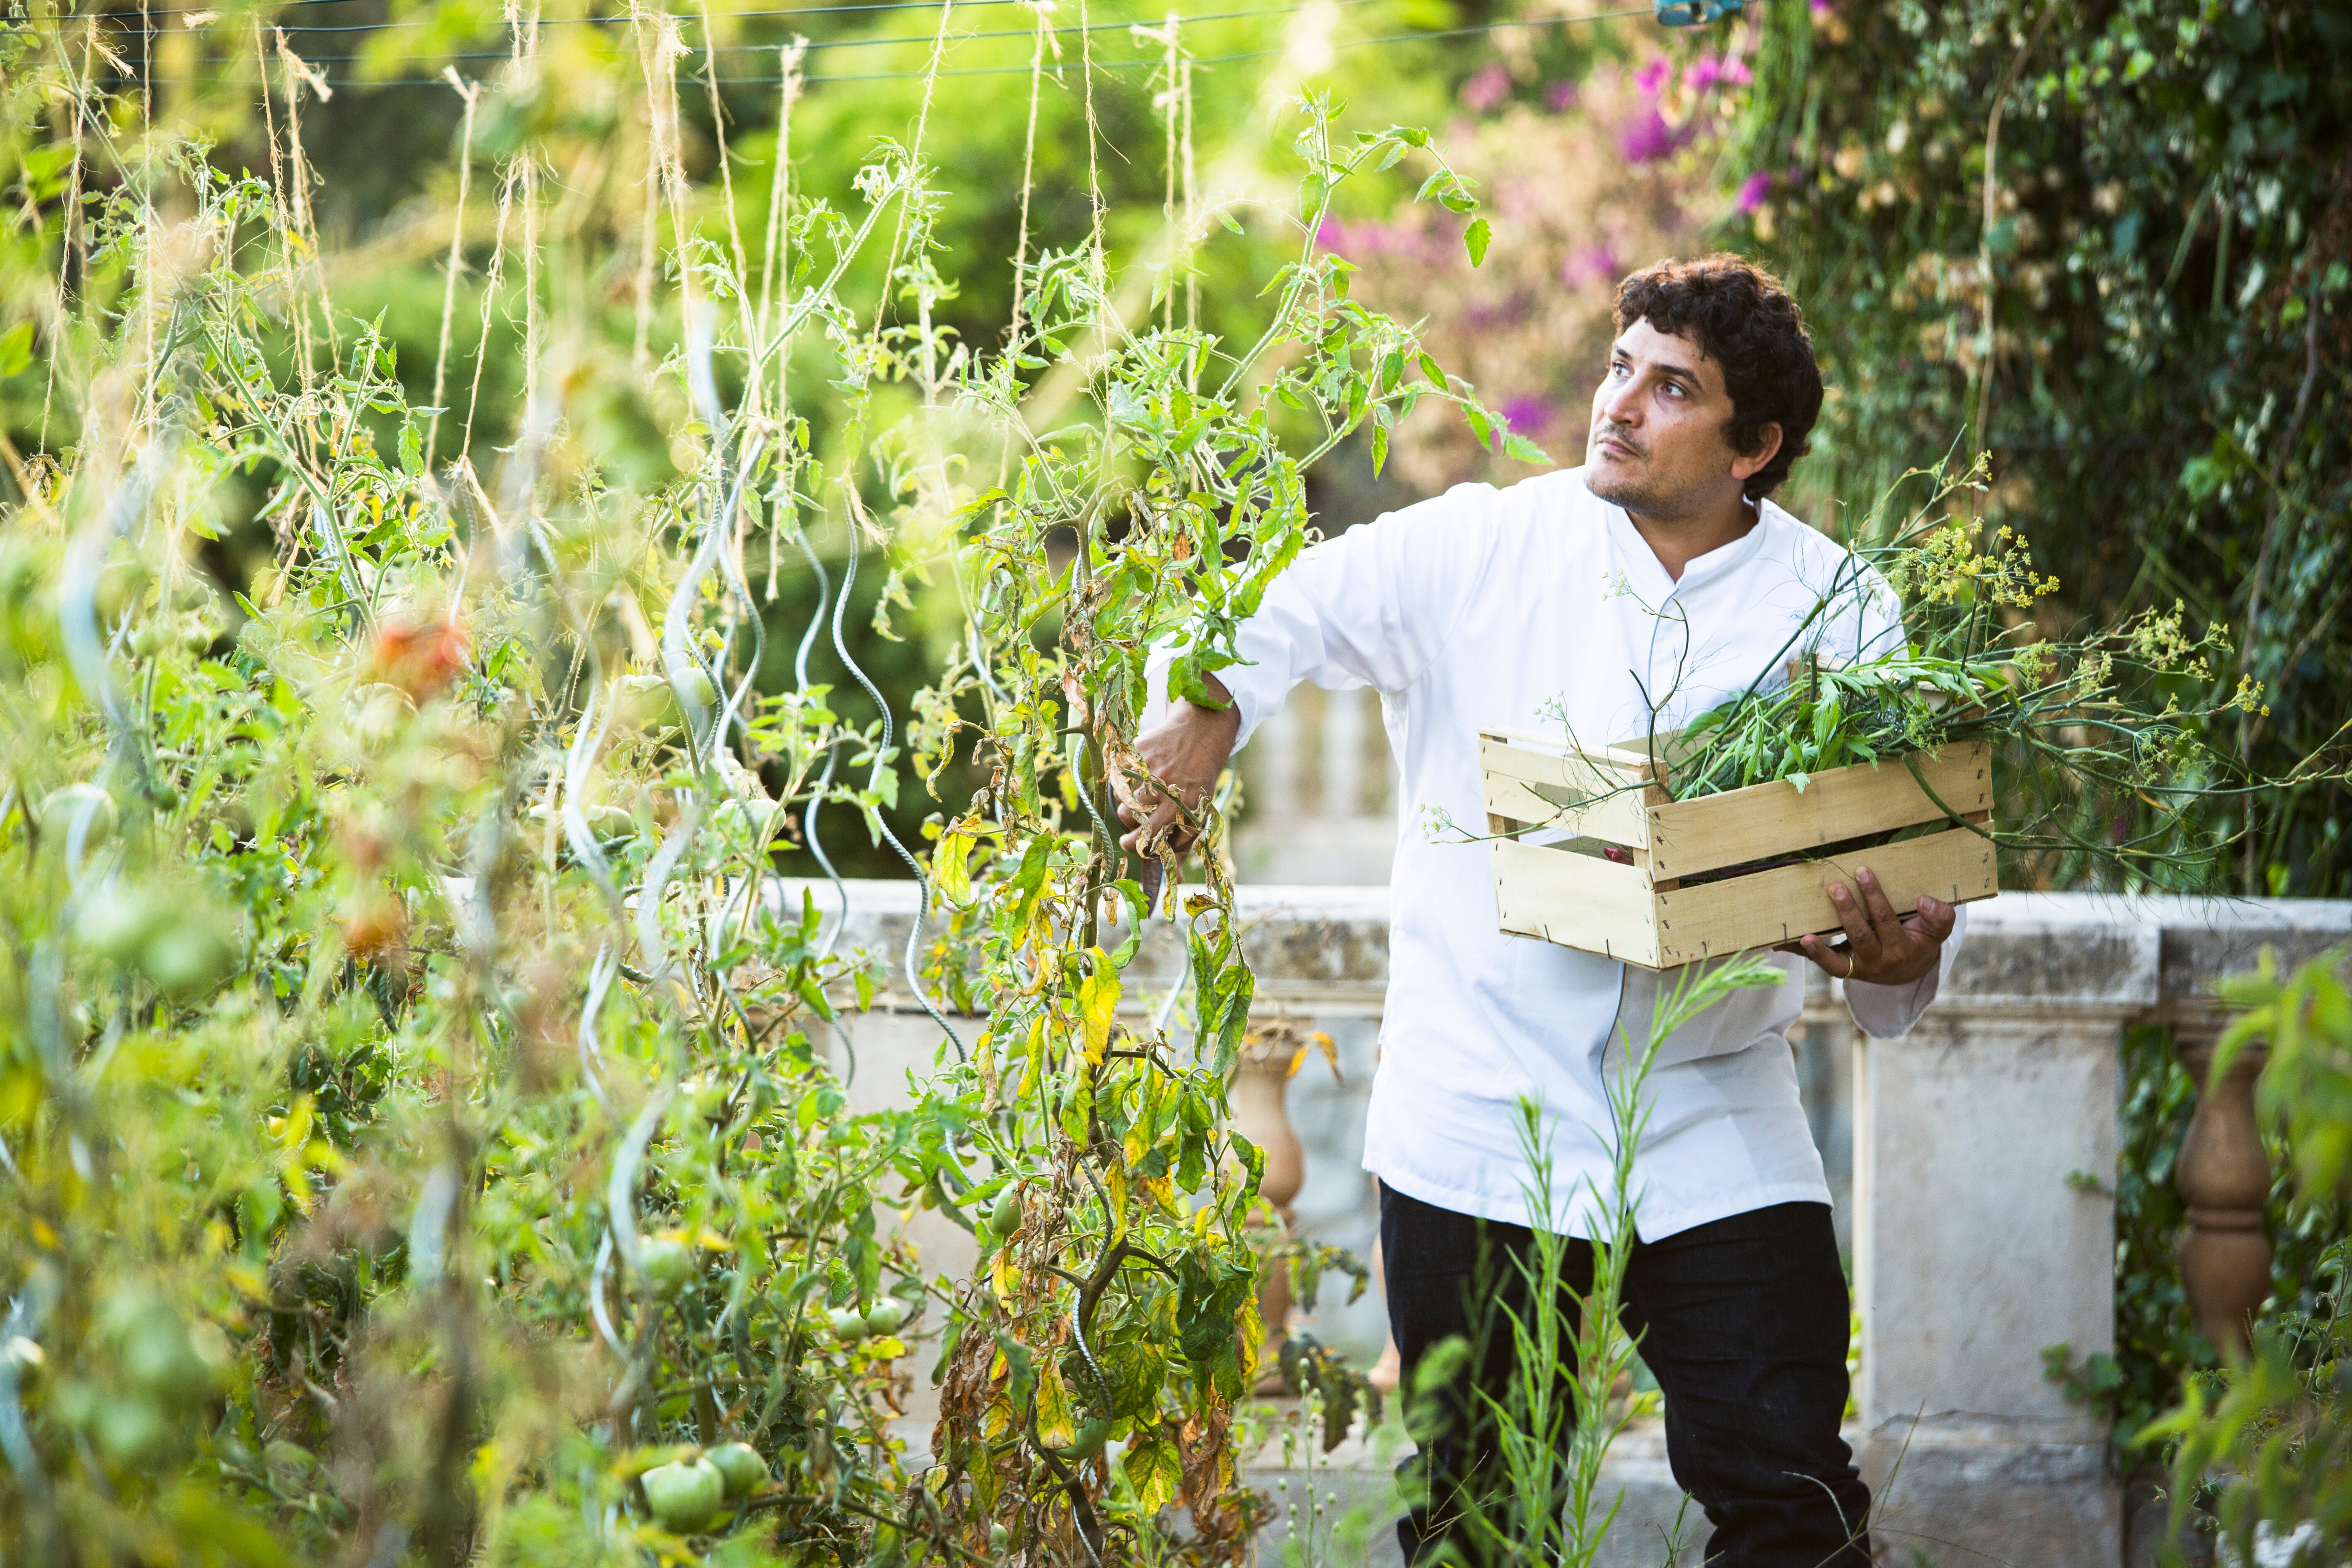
(1560, 97)
(1652, 77)
(1648, 137)
(1753, 189)
(1331, 234)
(1488, 88)
(1592, 264)
(1525, 412)
(1702, 73)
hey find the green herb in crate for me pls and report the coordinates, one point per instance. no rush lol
(2121, 712)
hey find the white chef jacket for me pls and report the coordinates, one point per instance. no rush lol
(1476, 609)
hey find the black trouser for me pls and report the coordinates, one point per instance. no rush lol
(1744, 1324)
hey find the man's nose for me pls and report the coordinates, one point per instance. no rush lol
(1619, 405)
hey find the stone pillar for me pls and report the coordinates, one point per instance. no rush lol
(1985, 1166)
(2225, 1176)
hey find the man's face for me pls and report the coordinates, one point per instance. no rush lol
(1657, 444)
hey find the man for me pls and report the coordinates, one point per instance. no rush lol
(1627, 595)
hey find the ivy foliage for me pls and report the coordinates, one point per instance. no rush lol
(2110, 245)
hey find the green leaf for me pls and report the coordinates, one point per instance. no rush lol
(1476, 238)
(15, 350)
(1379, 450)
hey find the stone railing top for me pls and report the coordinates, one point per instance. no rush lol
(1327, 948)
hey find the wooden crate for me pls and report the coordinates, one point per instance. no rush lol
(1660, 883)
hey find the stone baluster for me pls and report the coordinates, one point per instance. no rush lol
(1261, 1113)
(1343, 754)
(1274, 781)
(2223, 1175)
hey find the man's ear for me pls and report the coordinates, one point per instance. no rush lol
(1767, 446)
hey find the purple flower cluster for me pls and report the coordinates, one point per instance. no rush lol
(1487, 89)
(1411, 242)
(1709, 71)
(1589, 265)
(1526, 413)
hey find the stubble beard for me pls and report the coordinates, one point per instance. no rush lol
(1628, 490)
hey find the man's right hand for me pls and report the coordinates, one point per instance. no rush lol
(1185, 750)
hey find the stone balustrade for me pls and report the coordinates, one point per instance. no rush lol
(1984, 1148)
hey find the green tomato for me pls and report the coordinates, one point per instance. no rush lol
(846, 1323)
(186, 958)
(153, 1349)
(1000, 1541)
(696, 689)
(741, 1465)
(130, 1430)
(685, 1497)
(61, 806)
(1091, 1437)
(1005, 1218)
(160, 1358)
(884, 1316)
(117, 922)
(645, 700)
(668, 1266)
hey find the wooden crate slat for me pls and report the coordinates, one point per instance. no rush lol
(1689, 836)
(1769, 907)
(1577, 900)
(1630, 759)
(1530, 787)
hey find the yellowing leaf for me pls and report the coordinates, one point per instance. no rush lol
(951, 867)
(1097, 1000)
(1156, 1472)
(1030, 1070)
(294, 1129)
(1057, 1426)
(1003, 1278)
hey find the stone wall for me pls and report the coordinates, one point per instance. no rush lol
(1982, 1221)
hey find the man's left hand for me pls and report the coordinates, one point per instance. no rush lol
(1881, 947)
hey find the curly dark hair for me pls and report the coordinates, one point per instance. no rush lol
(1744, 321)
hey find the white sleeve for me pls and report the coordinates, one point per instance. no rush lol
(1865, 617)
(1887, 1012)
(1370, 607)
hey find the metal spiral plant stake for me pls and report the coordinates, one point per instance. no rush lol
(909, 963)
